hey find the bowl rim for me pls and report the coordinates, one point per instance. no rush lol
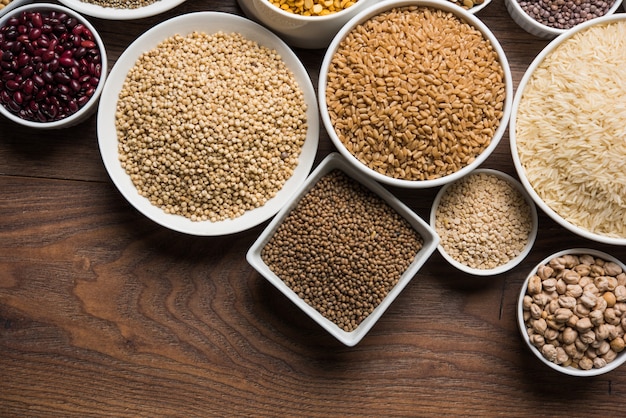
(112, 13)
(430, 241)
(299, 17)
(568, 370)
(210, 22)
(383, 6)
(519, 168)
(554, 32)
(77, 116)
(511, 263)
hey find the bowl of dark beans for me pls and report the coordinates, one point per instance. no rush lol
(52, 66)
(549, 19)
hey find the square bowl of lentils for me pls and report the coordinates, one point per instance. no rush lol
(343, 249)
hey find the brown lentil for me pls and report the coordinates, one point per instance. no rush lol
(342, 249)
(575, 310)
(121, 4)
(210, 126)
(565, 14)
(415, 93)
(313, 7)
(483, 221)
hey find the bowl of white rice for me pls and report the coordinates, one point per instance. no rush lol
(568, 129)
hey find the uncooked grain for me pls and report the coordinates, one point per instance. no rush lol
(570, 130)
(210, 126)
(415, 93)
(342, 249)
(483, 221)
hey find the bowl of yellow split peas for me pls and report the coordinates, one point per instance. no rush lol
(309, 24)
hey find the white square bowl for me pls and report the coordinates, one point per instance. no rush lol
(429, 237)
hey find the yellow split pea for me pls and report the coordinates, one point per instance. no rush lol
(313, 7)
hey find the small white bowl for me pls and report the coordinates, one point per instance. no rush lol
(511, 263)
(568, 370)
(112, 13)
(382, 7)
(532, 26)
(513, 137)
(430, 241)
(210, 23)
(310, 32)
(88, 108)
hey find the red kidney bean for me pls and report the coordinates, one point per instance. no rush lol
(50, 65)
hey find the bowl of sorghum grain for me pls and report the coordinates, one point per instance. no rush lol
(54, 66)
(310, 24)
(343, 249)
(486, 221)
(571, 312)
(208, 123)
(121, 9)
(415, 93)
(549, 19)
(568, 127)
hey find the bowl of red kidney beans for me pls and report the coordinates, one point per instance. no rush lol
(53, 66)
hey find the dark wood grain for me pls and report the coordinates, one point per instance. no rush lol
(104, 313)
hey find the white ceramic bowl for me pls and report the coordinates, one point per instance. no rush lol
(435, 4)
(532, 26)
(88, 108)
(430, 238)
(511, 263)
(568, 370)
(310, 32)
(207, 22)
(111, 13)
(513, 137)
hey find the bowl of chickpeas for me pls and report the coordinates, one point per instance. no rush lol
(571, 312)
(309, 24)
(208, 124)
(415, 94)
(343, 249)
(487, 222)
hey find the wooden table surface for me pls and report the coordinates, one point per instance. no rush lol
(103, 312)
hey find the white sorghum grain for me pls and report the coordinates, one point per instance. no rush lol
(342, 249)
(210, 126)
(554, 320)
(415, 93)
(483, 221)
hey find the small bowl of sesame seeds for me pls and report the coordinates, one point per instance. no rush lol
(343, 249)
(571, 312)
(208, 123)
(486, 221)
(309, 24)
(54, 66)
(121, 9)
(415, 94)
(547, 20)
